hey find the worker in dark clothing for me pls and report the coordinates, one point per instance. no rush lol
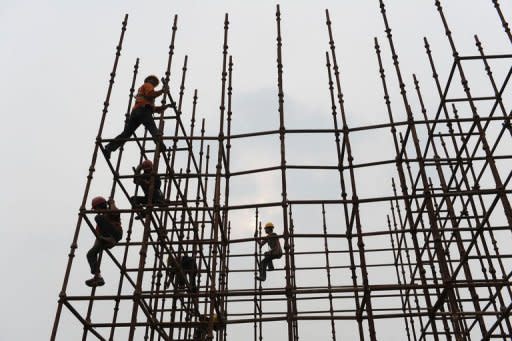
(275, 251)
(142, 113)
(201, 331)
(144, 181)
(108, 233)
(189, 267)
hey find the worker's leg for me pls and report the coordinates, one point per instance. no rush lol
(133, 123)
(92, 257)
(270, 265)
(263, 266)
(189, 267)
(171, 271)
(169, 279)
(137, 200)
(192, 280)
(272, 257)
(148, 122)
(200, 333)
(158, 198)
(181, 280)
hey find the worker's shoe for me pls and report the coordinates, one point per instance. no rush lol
(163, 203)
(261, 278)
(270, 267)
(96, 281)
(106, 152)
(139, 217)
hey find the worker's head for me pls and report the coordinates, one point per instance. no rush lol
(99, 203)
(269, 227)
(146, 166)
(216, 322)
(152, 79)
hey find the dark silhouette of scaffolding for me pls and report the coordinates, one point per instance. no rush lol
(448, 231)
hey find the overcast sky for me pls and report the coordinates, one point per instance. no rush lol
(55, 64)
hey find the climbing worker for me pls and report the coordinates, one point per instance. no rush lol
(201, 331)
(144, 181)
(108, 233)
(142, 113)
(275, 251)
(189, 268)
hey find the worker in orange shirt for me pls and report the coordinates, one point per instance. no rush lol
(142, 113)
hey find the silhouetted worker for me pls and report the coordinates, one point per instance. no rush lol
(142, 113)
(189, 267)
(144, 181)
(275, 251)
(108, 233)
(201, 331)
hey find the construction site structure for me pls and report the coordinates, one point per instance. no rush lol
(438, 267)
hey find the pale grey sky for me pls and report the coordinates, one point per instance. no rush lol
(55, 61)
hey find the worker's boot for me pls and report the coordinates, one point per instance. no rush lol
(163, 202)
(96, 281)
(106, 152)
(140, 215)
(262, 277)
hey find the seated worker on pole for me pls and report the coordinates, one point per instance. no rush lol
(275, 251)
(108, 233)
(144, 181)
(189, 267)
(142, 113)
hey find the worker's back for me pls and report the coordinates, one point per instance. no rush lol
(274, 244)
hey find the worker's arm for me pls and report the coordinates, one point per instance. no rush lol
(153, 94)
(136, 177)
(112, 205)
(141, 181)
(262, 241)
(113, 213)
(150, 95)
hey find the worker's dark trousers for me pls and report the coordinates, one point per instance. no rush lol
(143, 200)
(141, 115)
(267, 262)
(189, 268)
(180, 281)
(106, 229)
